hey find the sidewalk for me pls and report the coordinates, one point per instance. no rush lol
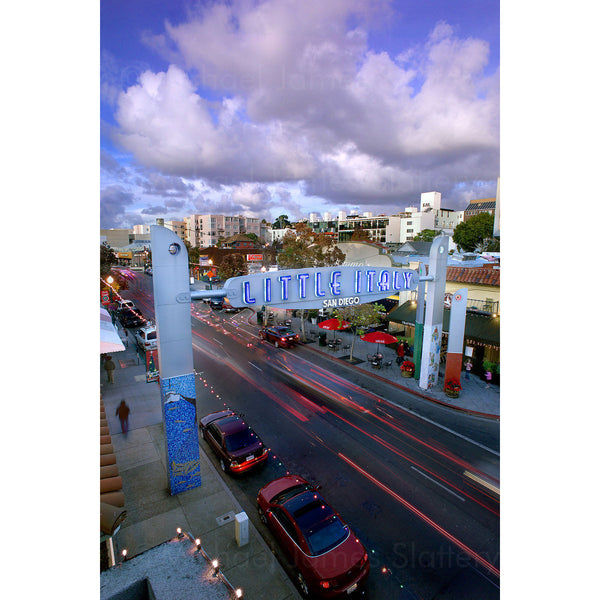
(153, 515)
(475, 396)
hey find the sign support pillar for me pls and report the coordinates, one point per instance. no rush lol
(434, 313)
(176, 365)
(456, 335)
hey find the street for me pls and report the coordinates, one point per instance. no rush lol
(417, 489)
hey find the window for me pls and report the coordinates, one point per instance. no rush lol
(286, 523)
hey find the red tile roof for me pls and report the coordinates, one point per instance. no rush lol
(485, 275)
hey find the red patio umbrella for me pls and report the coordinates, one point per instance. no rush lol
(378, 337)
(334, 324)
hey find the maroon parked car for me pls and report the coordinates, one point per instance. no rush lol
(330, 559)
(280, 335)
(237, 447)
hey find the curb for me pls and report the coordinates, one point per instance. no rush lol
(467, 411)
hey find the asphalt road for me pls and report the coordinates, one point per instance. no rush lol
(414, 487)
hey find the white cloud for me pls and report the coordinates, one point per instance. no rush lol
(308, 101)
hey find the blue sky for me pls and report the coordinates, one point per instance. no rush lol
(295, 106)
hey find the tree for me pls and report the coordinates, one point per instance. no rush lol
(281, 222)
(107, 259)
(360, 235)
(303, 248)
(426, 235)
(233, 265)
(472, 232)
(254, 238)
(360, 316)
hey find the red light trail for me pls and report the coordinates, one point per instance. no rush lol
(486, 564)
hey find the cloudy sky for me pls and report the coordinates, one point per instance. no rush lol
(264, 107)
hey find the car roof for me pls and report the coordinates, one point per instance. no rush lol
(231, 424)
(305, 498)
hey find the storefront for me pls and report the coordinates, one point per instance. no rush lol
(482, 332)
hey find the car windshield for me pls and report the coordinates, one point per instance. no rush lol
(152, 335)
(241, 439)
(321, 527)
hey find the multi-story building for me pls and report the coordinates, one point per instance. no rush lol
(177, 227)
(476, 207)
(403, 226)
(206, 230)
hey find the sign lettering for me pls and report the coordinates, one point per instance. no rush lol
(320, 287)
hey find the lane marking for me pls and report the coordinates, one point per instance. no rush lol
(460, 435)
(437, 482)
(251, 363)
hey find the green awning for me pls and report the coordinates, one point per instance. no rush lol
(482, 328)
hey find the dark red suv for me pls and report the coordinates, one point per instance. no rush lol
(330, 559)
(237, 447)
(280, 335)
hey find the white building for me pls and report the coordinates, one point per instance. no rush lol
(274, 235)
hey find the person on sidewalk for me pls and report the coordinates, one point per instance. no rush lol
(123, 412)
(400, 352)
(109, 367)
(468, 367)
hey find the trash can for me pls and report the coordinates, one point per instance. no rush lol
(322, 339)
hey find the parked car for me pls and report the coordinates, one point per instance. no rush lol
(145, 338)
(280, 335)
(330, 559)
(130, 317)
(235, 444)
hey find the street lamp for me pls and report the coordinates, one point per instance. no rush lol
(110, 280)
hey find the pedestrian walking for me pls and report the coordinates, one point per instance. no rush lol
(123, 412)
(488, 378)
(109, 367)
(468, 367)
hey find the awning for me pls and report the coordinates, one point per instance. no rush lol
(482, 328)
(109, 336)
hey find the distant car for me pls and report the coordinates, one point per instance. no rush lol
(330, 559)
(216, 303)
(121, 304)
(236, 445)
(279, 335)
(130, 317)
(148, 270)
(145, 338)
(227, 307)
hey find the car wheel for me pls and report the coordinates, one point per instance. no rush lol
(262, 516)
(303, 585)
(223, 466)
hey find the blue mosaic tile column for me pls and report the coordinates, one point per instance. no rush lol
(181, 432)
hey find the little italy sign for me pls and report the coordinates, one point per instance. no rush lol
(324, 287)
